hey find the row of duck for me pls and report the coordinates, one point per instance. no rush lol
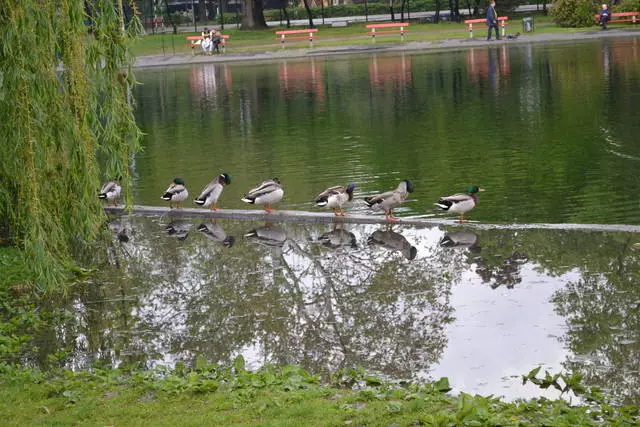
(270, 192)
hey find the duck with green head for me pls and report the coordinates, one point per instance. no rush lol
(211, 193)
(460, 203)
(176, 193)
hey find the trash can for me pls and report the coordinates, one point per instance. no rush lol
(527, 24)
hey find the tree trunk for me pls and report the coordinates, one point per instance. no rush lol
(223, 6)
(436, 17)
(283, 6)
(393, 17)
(202, 11)
(306, 6)
(457, 10)
(252, 16)
(402, 8)
(476, 7)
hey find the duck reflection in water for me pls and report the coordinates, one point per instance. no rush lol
(461, 239)
(269, 235)
(338, 237)
(119, 230)
(390, 239)
(216, 233)
(178, 229)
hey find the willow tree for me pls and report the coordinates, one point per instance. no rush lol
(66, 123)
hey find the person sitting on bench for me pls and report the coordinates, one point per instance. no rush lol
(604, 17)
(207, 43)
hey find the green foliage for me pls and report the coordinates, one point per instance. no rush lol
(573, 13)
(343, 10)
(288, 395)
(627, 6)
(65, 104)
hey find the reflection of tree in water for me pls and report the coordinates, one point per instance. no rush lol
(299, 301)
(499, 261)
(602, 309)
(326, 298)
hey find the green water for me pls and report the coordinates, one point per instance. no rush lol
(551, 131)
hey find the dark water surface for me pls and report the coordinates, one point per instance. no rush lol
(479, 306)
(552, 131)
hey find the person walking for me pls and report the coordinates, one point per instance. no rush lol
(492, 20)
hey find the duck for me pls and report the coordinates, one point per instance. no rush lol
(391, 199)
(460, 203)
(269, 235)
(267, 193)
(335, 197)
(110, 192)
(211, 193)
(176, 193)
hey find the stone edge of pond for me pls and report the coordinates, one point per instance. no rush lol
(152, 61)
(328, 218)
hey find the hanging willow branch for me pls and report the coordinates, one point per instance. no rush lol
(62, 132)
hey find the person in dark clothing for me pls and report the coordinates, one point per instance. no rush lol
(604, 17)
(217, 39)
(492, 20)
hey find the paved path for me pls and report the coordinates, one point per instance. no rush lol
(452, 44)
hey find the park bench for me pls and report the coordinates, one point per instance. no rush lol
(633, 17)
(192, 41)
(292, 35)
(482, 23)
(402, 25)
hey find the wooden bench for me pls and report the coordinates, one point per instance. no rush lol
(633, 17)
(192, 41)
(401, 25)
(291, 33)
(502, 22)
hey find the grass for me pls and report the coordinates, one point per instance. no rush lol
(287, 396)
(355, 34)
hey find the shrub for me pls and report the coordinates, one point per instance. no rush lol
(573, 13)
(627, 6)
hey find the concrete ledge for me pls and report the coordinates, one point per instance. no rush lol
(329, 218)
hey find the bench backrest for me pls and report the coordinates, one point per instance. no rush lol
(481, 20)
(395, 24)
(310, 30)
(223, 36)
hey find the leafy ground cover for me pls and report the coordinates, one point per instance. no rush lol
(286, 396)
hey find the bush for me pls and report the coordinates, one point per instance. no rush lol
(574, 13)
(627, 6)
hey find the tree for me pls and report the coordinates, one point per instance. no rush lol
(309, 14)
(252, 15)
(61, 124)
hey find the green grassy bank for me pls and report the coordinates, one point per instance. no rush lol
(287, 396)
(354, 34)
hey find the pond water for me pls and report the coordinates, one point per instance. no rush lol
(551, 131)
(480, 306)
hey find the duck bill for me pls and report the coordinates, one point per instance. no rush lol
(480, 189)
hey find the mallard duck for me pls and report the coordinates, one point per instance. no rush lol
(391, 199)
(216, 233)
(110, 192)
(337, 238)
(176, 193)
(178, 229)
(335, 197)
(267, 193)
(460, 203)
(211, 193)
